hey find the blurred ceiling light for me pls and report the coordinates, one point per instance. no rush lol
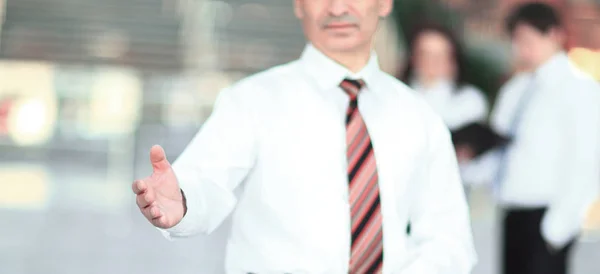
(587, 60)
(31, 121)
(116, 96)
(32, 114)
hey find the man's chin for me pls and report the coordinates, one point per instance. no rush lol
(343, 45)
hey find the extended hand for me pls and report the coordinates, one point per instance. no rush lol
(158, 196)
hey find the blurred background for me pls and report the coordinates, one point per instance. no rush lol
(86, 87)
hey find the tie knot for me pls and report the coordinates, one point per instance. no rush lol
(352, 87)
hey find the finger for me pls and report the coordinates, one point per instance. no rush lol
(145, 199)
(139, 187)
(160, 221)
(158, 159)
(152, 213)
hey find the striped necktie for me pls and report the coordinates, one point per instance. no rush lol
(367, 244)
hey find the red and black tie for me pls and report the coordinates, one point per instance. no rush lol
(366, 221)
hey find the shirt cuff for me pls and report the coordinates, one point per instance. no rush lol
(188, 226)
(559, 237)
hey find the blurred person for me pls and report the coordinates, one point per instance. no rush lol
(437, 70)
(316, 184)
(548, 174)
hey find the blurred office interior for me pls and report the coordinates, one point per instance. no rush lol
(86, 87)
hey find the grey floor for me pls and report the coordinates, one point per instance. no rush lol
(80, 221)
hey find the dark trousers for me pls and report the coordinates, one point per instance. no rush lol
(525, 251)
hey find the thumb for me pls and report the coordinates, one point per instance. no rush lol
(158, 159)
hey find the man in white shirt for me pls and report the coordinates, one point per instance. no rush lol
(321, 194)
(548, 176)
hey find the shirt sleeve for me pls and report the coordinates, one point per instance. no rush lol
(483, 169)
(580, 182)
(440, 225)
(471, 106)
(475, 110)
(215, 162)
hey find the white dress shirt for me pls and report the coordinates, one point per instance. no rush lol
(458, 106)
(280, 135)
(553, 160)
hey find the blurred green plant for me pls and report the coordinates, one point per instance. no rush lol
(483, 71)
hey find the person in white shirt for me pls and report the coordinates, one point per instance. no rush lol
(436, 69)
(548, 175)
(321, 193)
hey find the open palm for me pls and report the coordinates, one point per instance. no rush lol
(158, 196)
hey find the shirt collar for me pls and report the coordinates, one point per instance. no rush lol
(441, 86)
(329, 74)
(550, 68)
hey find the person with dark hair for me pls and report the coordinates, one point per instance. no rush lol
(528, 25)
(548, 174)
(436, 70)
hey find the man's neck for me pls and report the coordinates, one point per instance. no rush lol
(354, 61)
